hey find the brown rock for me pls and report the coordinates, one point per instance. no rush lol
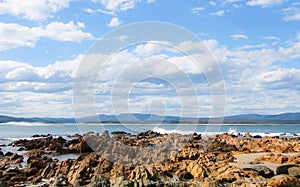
(283, 181)
(294, 171)
(84, 147)
(197, 170)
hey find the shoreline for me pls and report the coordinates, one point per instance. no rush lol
(149, 156)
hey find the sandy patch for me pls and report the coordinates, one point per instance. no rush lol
(243, 160)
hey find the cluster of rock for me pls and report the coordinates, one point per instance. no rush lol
(149, 159)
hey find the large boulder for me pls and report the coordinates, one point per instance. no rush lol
(283, 169)
(264, 171)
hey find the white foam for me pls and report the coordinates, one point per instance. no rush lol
(205, 133)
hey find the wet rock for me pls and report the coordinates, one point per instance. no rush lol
(8, 153)
(185, 175)
(35, 153)
(283, 181)
(264, 171)
(283, 169)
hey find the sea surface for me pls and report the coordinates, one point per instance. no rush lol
(17, 130)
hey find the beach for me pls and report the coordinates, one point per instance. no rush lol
(150, 158)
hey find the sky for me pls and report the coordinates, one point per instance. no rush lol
(256, 44)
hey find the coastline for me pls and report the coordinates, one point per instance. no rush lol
(223, 160)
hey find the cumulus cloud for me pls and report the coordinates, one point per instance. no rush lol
(33, 9)
(15, 35)
(114, 22)
(253, 78)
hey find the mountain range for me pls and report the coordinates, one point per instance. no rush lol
(285, 118)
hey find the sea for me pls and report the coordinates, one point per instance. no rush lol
(19, 130)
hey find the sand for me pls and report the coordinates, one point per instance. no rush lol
(243, 160)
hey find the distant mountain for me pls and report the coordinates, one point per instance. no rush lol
(285, 118)
(5, 119)
(256, 118)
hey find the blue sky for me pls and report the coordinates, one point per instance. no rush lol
(255, 42)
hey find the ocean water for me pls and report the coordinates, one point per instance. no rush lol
(17, 130)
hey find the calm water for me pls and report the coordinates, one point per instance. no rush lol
(11, 131)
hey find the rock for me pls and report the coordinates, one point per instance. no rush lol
(31, 172)
(185, 175)
(247, 134)
(283, 169)
(197, 170)
(264, 171)
(15, 156)
(142, 173)
(3, 183)
(221, 146)
(84, 147)
(122, 182)
(1, 153)
(226, 177)
(294, 172)
(99, 182)
(60, 182)
(36, 179)
(283, 181)
(8, 154)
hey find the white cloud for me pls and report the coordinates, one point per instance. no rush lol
(270, 37)
(119, 5)
(212, 3)
(264, 3)
(66, 32)
(33, 9)
(253, 81)
(197, 10)
(114, 22)
(238, 36)
(292, 13)
(122, 37)
(15, 35)
(218, 13)
(231, 1)
(91, 11)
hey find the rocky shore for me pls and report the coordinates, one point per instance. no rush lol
(151, 159)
